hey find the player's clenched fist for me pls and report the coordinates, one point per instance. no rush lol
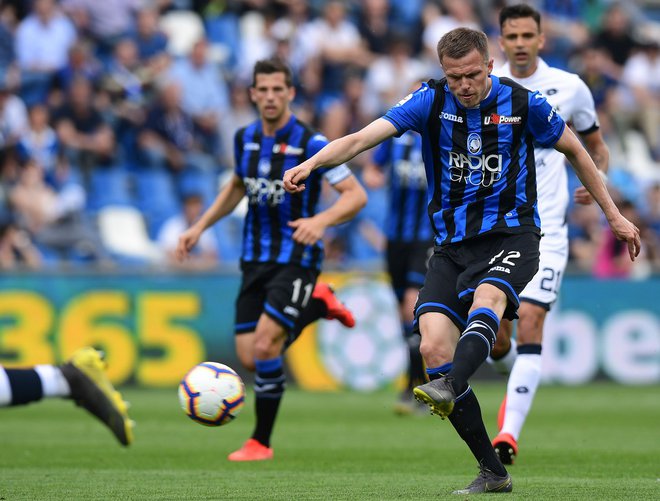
(294, 177)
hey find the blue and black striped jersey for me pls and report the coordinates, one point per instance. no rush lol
(261, 162)
(407, 219)
(479, 161)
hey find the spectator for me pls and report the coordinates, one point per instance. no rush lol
(43, 40)
(584, 231)
(641, 76)
(51, 209)
(86, 137)
(40, 140)
(374, 25)
(150, 40)
(390, 77)
(616, 36)
(168, 137)
(106, 22)
(337, 45)
(16, 248)
(80, 63)
(612, 259)
(205, 254)
(204, 95)
(13, 116)
(240, 113)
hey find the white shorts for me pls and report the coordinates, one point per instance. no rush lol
(542, 290)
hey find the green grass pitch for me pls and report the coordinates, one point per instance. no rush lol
(597, 442)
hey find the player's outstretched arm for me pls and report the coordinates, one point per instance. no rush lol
(352, 198)
(600, 154)
(587, 172)
(338, 152)
(226, 201)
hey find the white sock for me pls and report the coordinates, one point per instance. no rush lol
(5, 389)
(520, 391)
(53, 381)
(505, 364)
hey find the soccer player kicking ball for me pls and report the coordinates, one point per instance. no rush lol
(478, 133)
(521, 40)
(282, 250)
(81, 379)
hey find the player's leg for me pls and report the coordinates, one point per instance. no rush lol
(406, 266)
(286, 291)
(25, 385)
(415, 373)
(503, 354)
(439, 339)
(536, 299)
(82, 379)
(441, 317)
(523, 381)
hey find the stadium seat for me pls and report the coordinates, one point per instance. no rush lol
(183, 29)
(124, 234)
(156, 198)
(108, 186)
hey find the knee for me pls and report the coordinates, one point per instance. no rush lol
(267, 346)
(435, 354)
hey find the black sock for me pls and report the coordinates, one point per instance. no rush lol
(416, 373)
(474, 346)
(25, 386)
(467, 421)
(268, 388)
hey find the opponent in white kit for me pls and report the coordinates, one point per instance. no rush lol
(521, 39)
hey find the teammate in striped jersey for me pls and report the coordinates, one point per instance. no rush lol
(282, 249)
(409, 240)
(521, 40)
(478, 136)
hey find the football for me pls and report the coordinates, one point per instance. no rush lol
(211, 394)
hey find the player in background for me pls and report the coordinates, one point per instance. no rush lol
(282, 249)
(409, 240)
(521, 39)
(477, 133)
(82, 379)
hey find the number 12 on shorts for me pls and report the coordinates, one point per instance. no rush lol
(508, 259)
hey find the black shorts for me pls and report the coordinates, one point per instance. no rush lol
(507, 261)
(406, 264)
(280, 290)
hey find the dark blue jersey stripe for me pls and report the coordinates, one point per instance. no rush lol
(261, 162)
(407, 219)
(480, 161)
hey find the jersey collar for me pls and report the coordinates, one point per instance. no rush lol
(283, 130)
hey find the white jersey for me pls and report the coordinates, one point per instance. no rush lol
(573, 101)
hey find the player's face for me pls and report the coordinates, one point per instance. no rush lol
(271, 95)
(521, 41)
(468, 77)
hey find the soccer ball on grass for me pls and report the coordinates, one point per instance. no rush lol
(211, 394)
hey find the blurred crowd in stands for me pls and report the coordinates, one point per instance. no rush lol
(117, 116)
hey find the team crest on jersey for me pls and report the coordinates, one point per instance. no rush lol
(474, 143)
(497, 119)
(264, 167)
